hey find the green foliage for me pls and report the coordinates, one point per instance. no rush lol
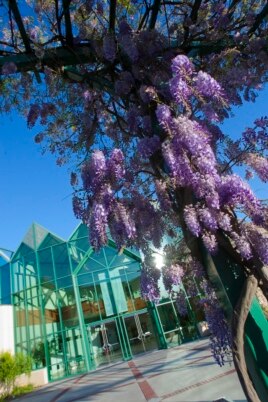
(17, 391)
(38, 354)
(10, 368)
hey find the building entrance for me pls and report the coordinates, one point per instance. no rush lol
(140, 333)
(120, 338)
(105, 341)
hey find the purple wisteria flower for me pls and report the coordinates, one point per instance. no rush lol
(121, 225)
(163, 115)
(149, 283)
(129, 46)
(182, 66)
(259, 164)
(210, 242)
(259, 239)
(220, 339)
(181, 303)
(109, 48)
(147, 93)
(208, 86)
(124, 84)
(208, 219)
(33, 115)
(224, 221)
(133, 118)
(234, 191)
(78, 208)
(179, 89)
(9, 68)
(172, 275)
(242, 245)
(147, 146)
(115, 165)
(197, 268)
(98, 226)
(94, 171)
(191, 220)
(162, 195)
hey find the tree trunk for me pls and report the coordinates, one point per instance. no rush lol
(238, 326)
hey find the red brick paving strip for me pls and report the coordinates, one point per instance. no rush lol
(196, 385)
(145, 387)
(56, 397)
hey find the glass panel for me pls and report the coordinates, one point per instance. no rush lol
(105, 343)
(57, 365)
(5, 292)
(140, 333)
(51, 312)
(38, 353)
(121, 260)
(81, 231)
(85, 278)
(170, 324)
(76, 255)
(110, 254)
(74, 351)
(89, 302)
(187, 327)
(30, 270)
(61, 260)
(102, 305)
(104, 294)
(20, 320)
(134, 285)
(67, 303)
(17, 269)
(82, 243)
(135, 334)
(34, 317)
(121, 298)
(98, 259)
(46, 265)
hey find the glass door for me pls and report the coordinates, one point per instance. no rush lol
(170, 324)
(105, 343)
(140, 333)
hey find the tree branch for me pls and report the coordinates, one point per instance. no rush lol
(68, 24)
(112, 15)
(155, 10)
(195, 9)
(15, 11)
(259, 18)
(58, 19)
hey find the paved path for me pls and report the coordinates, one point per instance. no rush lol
(186, 373)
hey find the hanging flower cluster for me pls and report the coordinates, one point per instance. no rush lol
(172, 276)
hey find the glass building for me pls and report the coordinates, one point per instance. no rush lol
(75, 309)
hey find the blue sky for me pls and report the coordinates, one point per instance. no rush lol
(35, 189)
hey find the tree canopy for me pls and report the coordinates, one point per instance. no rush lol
(133, 94)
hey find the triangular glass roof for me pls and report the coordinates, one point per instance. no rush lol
(80, 231)
(34, 238)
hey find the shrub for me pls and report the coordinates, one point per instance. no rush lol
(10, 368)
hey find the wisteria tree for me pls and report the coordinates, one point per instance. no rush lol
(133, 93)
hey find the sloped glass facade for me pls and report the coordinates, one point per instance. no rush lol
(76, 309)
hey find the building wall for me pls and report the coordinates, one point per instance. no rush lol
(6, 329)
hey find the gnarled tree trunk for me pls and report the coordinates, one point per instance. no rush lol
(240, 315)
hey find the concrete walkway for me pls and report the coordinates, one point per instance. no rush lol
(186, 373)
